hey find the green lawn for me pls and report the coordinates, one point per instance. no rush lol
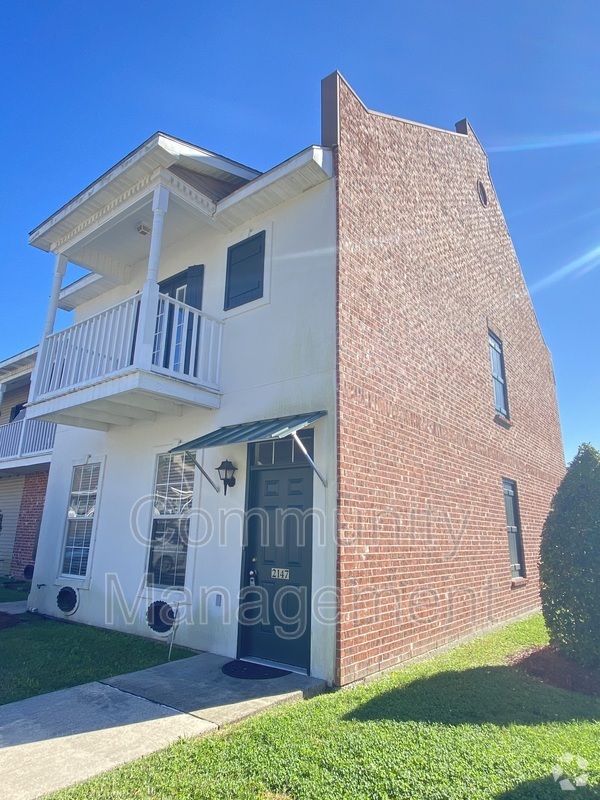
(462, 725)
(14, 590)
(42, 655)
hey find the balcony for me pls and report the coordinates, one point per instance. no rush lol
(26, 438)
(147, 355)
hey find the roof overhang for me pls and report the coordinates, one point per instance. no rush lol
(18, 365)
(160, 151)
(108, 242)
(84, 289)
(289, 179)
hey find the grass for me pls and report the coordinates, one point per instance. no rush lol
(42, 655)
(11, 590)
(461, 725)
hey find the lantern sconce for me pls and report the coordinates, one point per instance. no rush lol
(226, 470)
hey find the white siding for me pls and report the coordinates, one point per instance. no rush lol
(11, 399)
(11, 491)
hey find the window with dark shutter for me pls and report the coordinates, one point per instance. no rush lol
(513, 527)
(498, 375)
(245, 271)
(185, 287)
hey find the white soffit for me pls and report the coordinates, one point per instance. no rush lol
(22, 362)
(115, 246)
(84, 289)
(158, 151)
(296, 175)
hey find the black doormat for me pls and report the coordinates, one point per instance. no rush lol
(247, 670)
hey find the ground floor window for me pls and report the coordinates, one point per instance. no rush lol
(80, 519)
(513, 527)
(173, 496)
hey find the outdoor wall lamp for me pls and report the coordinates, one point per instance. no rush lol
(226, 470)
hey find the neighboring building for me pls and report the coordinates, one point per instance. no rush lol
(25, 452)
(362, 302)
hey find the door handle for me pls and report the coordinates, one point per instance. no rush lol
(252, 575)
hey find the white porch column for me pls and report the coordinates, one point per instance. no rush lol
(149, 303)
(60, 267)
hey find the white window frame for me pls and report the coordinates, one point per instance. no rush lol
(82, 580)
(168, 517)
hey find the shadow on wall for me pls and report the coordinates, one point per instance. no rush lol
(497, 695)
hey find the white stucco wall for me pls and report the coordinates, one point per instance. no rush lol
(278, 359)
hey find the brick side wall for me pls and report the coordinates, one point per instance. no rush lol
(424, 270)
(30, 514)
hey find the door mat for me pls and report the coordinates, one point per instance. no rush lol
(249, 671)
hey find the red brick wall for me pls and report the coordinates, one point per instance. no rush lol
(30, 514)
(423, 271)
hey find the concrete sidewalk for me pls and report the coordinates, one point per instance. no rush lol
(55, 740)
(14, 607)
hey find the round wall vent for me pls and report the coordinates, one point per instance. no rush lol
(482, 194)
(160, 616)
(67, 599)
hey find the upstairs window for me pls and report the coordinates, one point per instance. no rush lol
(513, 527)
(498, 375)
(186, 286)
(245, 271)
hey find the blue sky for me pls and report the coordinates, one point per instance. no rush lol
(85, 83)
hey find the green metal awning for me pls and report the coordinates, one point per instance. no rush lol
(259, 431)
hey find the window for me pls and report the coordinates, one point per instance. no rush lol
(282, 451)
(80, 519)
(186, 286)
(173, 337)
(498, 375)
(245, 271)
(174, 489)
(513, 526)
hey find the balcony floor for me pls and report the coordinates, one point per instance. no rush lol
(122, 400)
(23, 465)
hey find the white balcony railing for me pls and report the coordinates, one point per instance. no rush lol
(187, 343)
(26, 437)
(187, 346)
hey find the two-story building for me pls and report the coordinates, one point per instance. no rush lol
(25, 452)
(306, 416)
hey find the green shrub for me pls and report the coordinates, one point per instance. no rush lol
(570, 561)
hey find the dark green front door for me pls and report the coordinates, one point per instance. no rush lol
(275, 602)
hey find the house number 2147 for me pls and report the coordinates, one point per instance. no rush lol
(281, 574)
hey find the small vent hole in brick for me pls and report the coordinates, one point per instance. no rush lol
(66, 599)
(160, 616)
